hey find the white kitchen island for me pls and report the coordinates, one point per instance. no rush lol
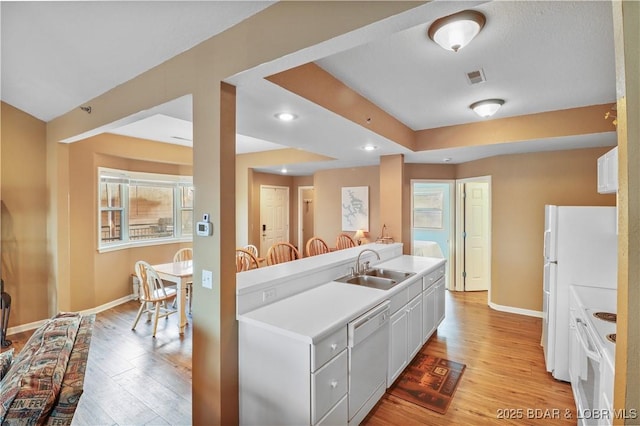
(293, 320)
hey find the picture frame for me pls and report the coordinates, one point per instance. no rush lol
(355, 208)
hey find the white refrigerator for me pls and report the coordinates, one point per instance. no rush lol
(580, 247)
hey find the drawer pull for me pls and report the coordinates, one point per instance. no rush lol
(334, 346)
(334, 384)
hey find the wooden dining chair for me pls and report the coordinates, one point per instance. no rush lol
(315, 246)
(282, 252)
(344, 241)
(183, 255)
(253, 249)
(245, 260)
(153, 292)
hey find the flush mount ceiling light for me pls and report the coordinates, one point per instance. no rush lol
(369, 147)
(286, 116)
(486, 108)
(455, 31)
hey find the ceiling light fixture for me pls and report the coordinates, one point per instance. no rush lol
(369, 147)
(455, 31)
(286, 116)
(283, 170)
(486, 108)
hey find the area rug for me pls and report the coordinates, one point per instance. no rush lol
(429, 382)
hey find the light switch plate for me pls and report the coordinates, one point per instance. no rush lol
(207, 279)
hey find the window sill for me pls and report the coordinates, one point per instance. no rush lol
(144, 243)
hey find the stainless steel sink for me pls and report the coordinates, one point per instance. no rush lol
(382, 279)
(369, 281)
(398, 276)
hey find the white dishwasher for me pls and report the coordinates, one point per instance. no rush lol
(368, 343)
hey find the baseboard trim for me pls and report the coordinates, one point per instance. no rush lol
(33, 325)
(519, 311)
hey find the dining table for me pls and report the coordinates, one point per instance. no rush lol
(179, 273)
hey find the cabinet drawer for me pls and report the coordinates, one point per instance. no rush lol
(339, 415)
(415, 288)
(327, 348)
(398, 300)
(328, 386)
(432, 277)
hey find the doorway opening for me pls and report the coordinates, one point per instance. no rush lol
(452, 220)
(432, 224)
(306, 226)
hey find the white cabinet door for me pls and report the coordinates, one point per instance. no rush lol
(397, 345)
(602, 175)
(428, 313)
(414, 321)
(440, 296)
(608, 172)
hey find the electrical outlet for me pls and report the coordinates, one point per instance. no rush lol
(268, 294)
(207, 279)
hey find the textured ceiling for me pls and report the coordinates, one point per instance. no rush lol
(538, 56)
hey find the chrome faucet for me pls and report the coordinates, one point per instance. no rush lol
(359, 269)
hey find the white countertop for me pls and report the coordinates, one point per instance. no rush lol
(248, 280)
(311, 315)
(316, 313)
(407, 263)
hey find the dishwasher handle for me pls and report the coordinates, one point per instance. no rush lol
(367, 324)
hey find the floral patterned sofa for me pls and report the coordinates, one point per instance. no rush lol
(44, 382)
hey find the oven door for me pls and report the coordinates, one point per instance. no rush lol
(586, 371)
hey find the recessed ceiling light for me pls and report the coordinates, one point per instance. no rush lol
(369, 147)
(286, 116)
(446, 159)
(283, 170)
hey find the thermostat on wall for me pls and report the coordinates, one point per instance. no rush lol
(204, 228)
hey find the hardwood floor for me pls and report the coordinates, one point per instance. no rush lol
(133, 379)
(505, 381)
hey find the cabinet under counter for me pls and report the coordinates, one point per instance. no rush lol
(293, 365)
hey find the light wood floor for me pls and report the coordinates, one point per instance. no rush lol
(133, 379)
(505, 374)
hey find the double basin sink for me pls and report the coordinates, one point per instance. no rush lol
(379, 278)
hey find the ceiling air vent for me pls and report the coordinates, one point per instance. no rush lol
(476, 77)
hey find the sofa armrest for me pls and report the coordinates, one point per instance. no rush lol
(73, 380)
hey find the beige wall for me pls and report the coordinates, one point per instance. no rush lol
(105, 277)
(626, 24)
(328, 200)
(259, 179)
(392, 199)
(245, 163)
(25, 264)
(520, 187)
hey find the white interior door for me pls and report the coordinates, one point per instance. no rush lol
(476, 236)
(274, 216)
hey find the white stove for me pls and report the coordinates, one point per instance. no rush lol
(592, 353)
(603, 328)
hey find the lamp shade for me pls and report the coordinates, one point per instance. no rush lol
(486, 108)
(455, 31)
(359, 234)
